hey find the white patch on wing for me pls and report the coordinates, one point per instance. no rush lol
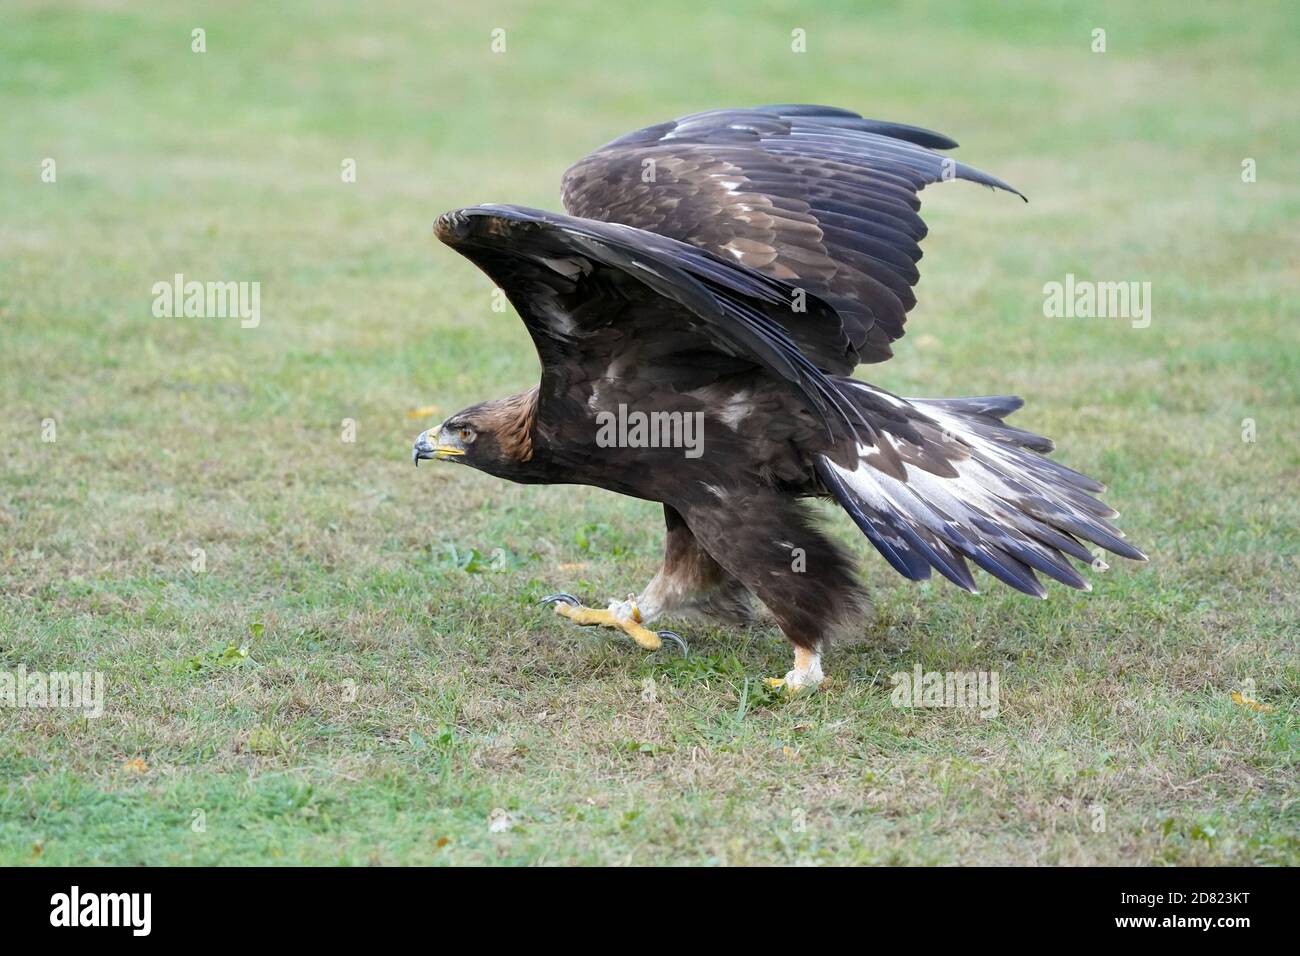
(735, 409)
(962, 499)
(556, 317)
(569, 268)
(995, 485)
(646, 267)
(989, 478)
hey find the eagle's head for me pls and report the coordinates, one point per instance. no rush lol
(495, 437)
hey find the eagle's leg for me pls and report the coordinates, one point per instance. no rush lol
(766, 541)
(623, 615)
(690, 583)
(807, 671)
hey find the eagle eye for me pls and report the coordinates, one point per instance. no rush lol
(466, 434)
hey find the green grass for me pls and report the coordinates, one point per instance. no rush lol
(392, 700)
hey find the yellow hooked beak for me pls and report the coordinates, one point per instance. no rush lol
(425, 449)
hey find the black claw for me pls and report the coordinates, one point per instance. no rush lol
(676, 639)
(561, 596)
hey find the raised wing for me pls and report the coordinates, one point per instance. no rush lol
(590, 291)
(812, 195)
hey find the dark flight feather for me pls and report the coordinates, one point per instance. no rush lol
(738, 311)
(813, 195)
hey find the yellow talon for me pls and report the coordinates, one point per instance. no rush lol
(635, 630)
(642, 635)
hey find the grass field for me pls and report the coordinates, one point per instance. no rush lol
(403, 699)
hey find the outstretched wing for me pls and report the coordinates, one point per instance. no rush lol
(812, 195)
(609, 301)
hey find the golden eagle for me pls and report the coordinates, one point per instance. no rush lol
(698, 316)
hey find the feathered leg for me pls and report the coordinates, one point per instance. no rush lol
(768, 543)
(690, 583)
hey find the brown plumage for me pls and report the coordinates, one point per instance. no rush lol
(732, 268)
(511, 420)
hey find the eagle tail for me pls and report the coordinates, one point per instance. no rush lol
(937, 482)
